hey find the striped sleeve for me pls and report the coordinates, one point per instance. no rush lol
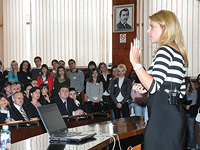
(159, 69)
(182, 89)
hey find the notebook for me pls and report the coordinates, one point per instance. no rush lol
(56, 127)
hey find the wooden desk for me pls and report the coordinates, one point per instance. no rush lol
(20, 132)
(124, 129)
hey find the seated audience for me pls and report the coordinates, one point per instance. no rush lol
(120, 93)
(94, 89)
(44, 96)
(34, 96)
(27, 88)
(72, 94)
(37, 70)
(55, 65)
(7, 89)
(12, 74)
(76, 78)
(66, 104)
(24, 75)
(62, 78)
(45, 78)
(34, 83)
(5, 112)
(20, 112)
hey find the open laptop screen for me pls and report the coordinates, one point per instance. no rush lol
(51, 118)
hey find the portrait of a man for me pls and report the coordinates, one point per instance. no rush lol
(124, 16)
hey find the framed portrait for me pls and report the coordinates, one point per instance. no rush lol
(123, 18)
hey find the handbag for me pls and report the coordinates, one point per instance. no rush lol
(198, 116)
(140, 99)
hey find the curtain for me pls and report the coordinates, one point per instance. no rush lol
(77, 29)
(57, 29)
(188, 13)
(14, 30)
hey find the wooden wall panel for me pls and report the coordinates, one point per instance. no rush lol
(120, 51)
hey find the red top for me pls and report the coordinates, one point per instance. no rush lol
(48, 81)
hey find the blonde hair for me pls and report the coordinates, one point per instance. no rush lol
(168, 19)
(121, 66)
(11, 66)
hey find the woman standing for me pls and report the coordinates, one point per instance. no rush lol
(167, 120)
(24, 75)
(94, 89)
(45, 78)
(62, 78)
(105, 78)
(12, 74)
(120, 93)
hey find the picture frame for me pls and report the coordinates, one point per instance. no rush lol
(123, 18)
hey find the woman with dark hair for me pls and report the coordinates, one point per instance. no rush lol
(45, 78)
(24, 75)
(94, 89)
(62, 78)
(91, 65)
(7, 89)
(3, 76)
(44, 95)
(5, 112)
(34, 96)
(191, 112)
(198, 106)
(27, 88)
(105, 78)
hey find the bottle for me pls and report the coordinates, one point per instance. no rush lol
(5, 138)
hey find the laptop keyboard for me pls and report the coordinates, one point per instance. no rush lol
(69, 134)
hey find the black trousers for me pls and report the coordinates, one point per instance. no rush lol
(124, 110)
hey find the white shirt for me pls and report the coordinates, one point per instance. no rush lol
(120, 97)
(18, 108)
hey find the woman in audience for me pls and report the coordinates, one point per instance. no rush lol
(72, 94)
(94, 89)
(45, 78)
(198, 106)
(114, 73)
(120, 93)
(105, 78)
(27, 88)
(191, 112)
(139, 109)
(3, 77)
(7, 89)
(34, 96)
(5, 112)
(24, 75)
(44, 95)
(91, 65)
(62, 78)
(12, 74)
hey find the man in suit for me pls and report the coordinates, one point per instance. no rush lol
(123, 15)
(19, 111)
(66, 104)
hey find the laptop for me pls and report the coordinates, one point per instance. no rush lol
(56, 127)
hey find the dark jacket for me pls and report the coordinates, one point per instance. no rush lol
(24, 77)
(17, 115)
(125, 90)
(71, 106)
(105, 83)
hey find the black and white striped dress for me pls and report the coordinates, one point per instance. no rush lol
(166, 126)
